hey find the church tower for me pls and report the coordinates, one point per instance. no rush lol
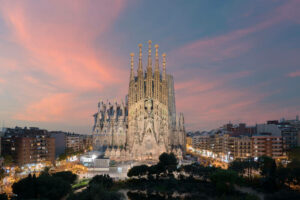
(146, 125)
(131, 92)
(156, 75)
(140, 84)
(164, 82)
(149, 76)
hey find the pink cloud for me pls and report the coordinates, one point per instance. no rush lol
(58, 38)
(208, 81)
(207, 97)
(51, 108)
(211, 100)
(64, 48)
(294, 74)
(217, 105)
(55, 108)
(215, 49)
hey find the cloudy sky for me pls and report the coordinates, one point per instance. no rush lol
(232, 60)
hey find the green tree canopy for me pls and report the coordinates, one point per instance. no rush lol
(138, 171)
(104, 181)
(224, 181)
(238, 166)
(8, 160)
(67, 176)
(44, 187)
(267, 166)
(168, 162)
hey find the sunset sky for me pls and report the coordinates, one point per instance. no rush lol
(235, 61)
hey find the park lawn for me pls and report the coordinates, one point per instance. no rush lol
(81, 183)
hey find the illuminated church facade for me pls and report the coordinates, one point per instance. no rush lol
(146, 125)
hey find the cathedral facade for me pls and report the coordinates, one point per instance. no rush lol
(146, 125)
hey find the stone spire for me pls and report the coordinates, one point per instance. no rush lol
(140, 84)
(131, 94)
(164, 82)
(181, 121)
(149, 73)
(131, 67)
(149, 55)
(156, 58)
(164, 66)
(156, 75)
(140, 68)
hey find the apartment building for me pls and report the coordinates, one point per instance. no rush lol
(267, 145)
(28, 146)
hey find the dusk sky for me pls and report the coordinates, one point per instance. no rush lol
(235, 61)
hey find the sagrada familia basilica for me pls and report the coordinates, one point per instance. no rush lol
(146, 125)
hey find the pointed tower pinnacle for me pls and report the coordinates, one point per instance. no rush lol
(140, 68)
(156, 58)
(164, 66)
(149, 54)
(149, 73)
(157, 94)
(140, 84)
(131, 67)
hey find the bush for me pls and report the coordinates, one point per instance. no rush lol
(103, 180)
(98, 189)
(224, 181)
(66, 176)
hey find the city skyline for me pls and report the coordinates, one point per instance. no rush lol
(233, 61)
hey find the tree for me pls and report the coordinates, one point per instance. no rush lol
(155, 170)
(267, 166)
(143, 169)
(25, 188)
(139, 171)
(45, 171)
(198, 170)
(8, 160)
(294, 165)
(244, 166)
(96, 192)
(67, 176)
(62, 156)
(294, 154)
(3, 196)
(98, 189)
(268, 170)
(251, 165)
(238, 166)
(133, 171)
(43, 187)
(104, 181)
(224, 181)
(168, 162)
(50, 187)
(283, 175)
(2, 173)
